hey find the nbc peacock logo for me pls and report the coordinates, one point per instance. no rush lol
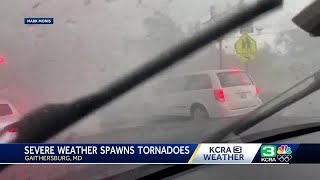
(284, 149)
(284, 153)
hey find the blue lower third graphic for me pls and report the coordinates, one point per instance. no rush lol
(38, 20)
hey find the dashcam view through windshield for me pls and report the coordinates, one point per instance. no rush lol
(59, 51)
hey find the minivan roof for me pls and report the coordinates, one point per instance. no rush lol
(210, 72)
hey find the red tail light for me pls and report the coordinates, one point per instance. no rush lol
(219, 95)
(1, 60)
(12, 130)
(234, 70)
(257, 90)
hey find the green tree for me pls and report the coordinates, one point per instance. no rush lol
(301, 56)
(297, 42)
(264, 72)
(162, 30)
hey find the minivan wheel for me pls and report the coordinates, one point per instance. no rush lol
(199, 113)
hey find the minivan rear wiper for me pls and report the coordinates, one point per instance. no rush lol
(48, 120)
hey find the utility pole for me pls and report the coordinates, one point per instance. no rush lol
(220, 53)
(240, 6)
(213, 17)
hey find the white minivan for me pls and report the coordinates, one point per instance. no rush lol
(206, 94)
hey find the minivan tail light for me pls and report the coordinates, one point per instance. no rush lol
(1, 60)
(257, 90)
(12, 130)
(219, 95)
(234, 70)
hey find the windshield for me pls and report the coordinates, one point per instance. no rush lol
(92, 43)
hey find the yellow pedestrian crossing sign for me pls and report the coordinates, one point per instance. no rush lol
(246, 45)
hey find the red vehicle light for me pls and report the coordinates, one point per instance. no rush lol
(12, 130)
(257, 90)
(234, 70)
(1, 60)
(219, 95)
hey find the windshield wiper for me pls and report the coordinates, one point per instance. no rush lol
(47, 121)
(279, 134)
(270, 136)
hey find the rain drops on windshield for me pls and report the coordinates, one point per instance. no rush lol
(74, 48)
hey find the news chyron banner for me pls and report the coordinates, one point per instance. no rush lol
(159, 153)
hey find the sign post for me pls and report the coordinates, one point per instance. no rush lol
(213, 18)
(246, 48)
(246, 29)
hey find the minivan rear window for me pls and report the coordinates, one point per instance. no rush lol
(5, 110)
(230, 79)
